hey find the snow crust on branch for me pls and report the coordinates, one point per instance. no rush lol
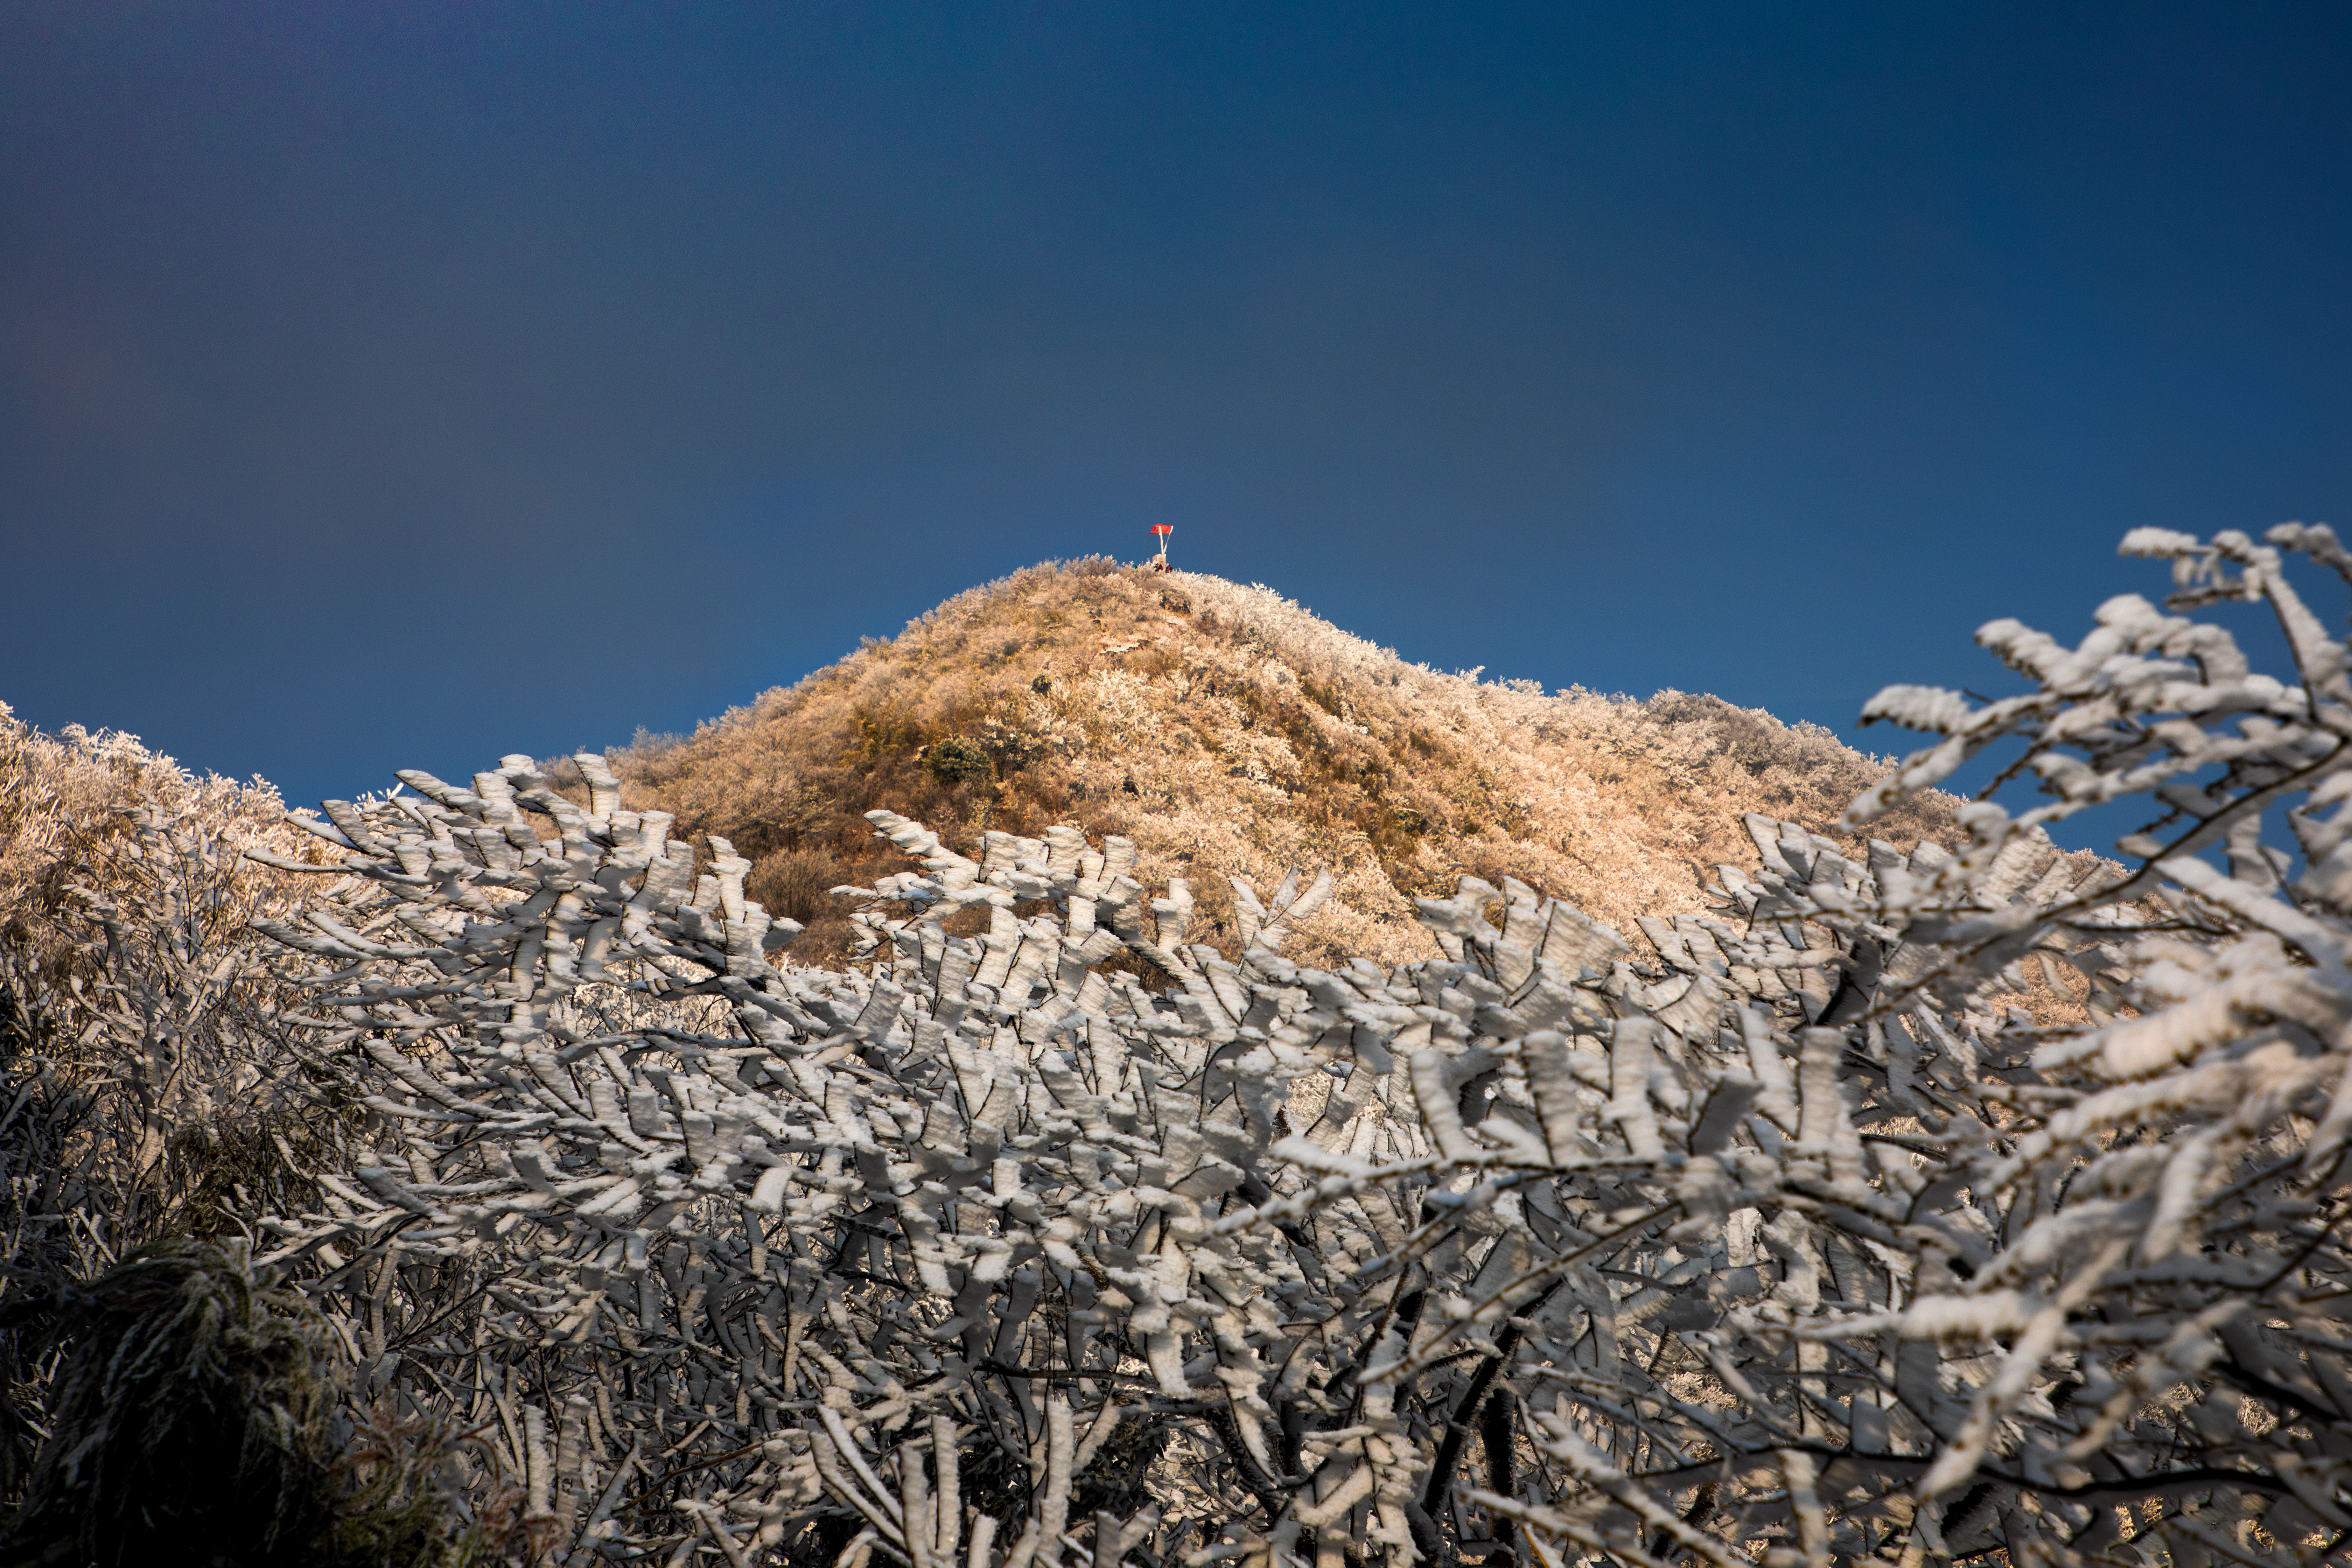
(1784, 1230)
(1907, 1208)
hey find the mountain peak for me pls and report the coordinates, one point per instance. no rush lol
(1229, 732)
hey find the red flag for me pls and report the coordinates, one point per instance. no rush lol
(1163, 528)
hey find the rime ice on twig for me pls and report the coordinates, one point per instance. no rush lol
(1611, 1222)
(1788, 1236)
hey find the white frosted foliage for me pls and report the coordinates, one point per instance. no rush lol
(1906, 1206)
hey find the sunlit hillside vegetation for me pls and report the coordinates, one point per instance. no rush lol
(63, 796)
(1228, 731)
(478, 1174)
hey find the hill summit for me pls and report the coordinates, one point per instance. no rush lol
(1228, 732)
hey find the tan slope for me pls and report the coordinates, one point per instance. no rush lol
(1228, 731)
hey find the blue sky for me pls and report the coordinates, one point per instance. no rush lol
(403, 384)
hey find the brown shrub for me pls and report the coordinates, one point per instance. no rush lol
(797, 885)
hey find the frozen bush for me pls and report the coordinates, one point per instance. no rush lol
(1914, 1205)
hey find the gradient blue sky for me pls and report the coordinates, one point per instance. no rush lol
(402, 384)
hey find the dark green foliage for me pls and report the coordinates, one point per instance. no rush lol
(190, 1422)
(955, 762)
(188, 1411)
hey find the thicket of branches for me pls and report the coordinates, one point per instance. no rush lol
(1795, 1236)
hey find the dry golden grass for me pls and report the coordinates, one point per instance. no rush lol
(1230, 733)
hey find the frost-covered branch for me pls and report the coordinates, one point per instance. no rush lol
(1909, 1206)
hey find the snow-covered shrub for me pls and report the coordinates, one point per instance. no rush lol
(154, 1101)
(1909, 1207)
